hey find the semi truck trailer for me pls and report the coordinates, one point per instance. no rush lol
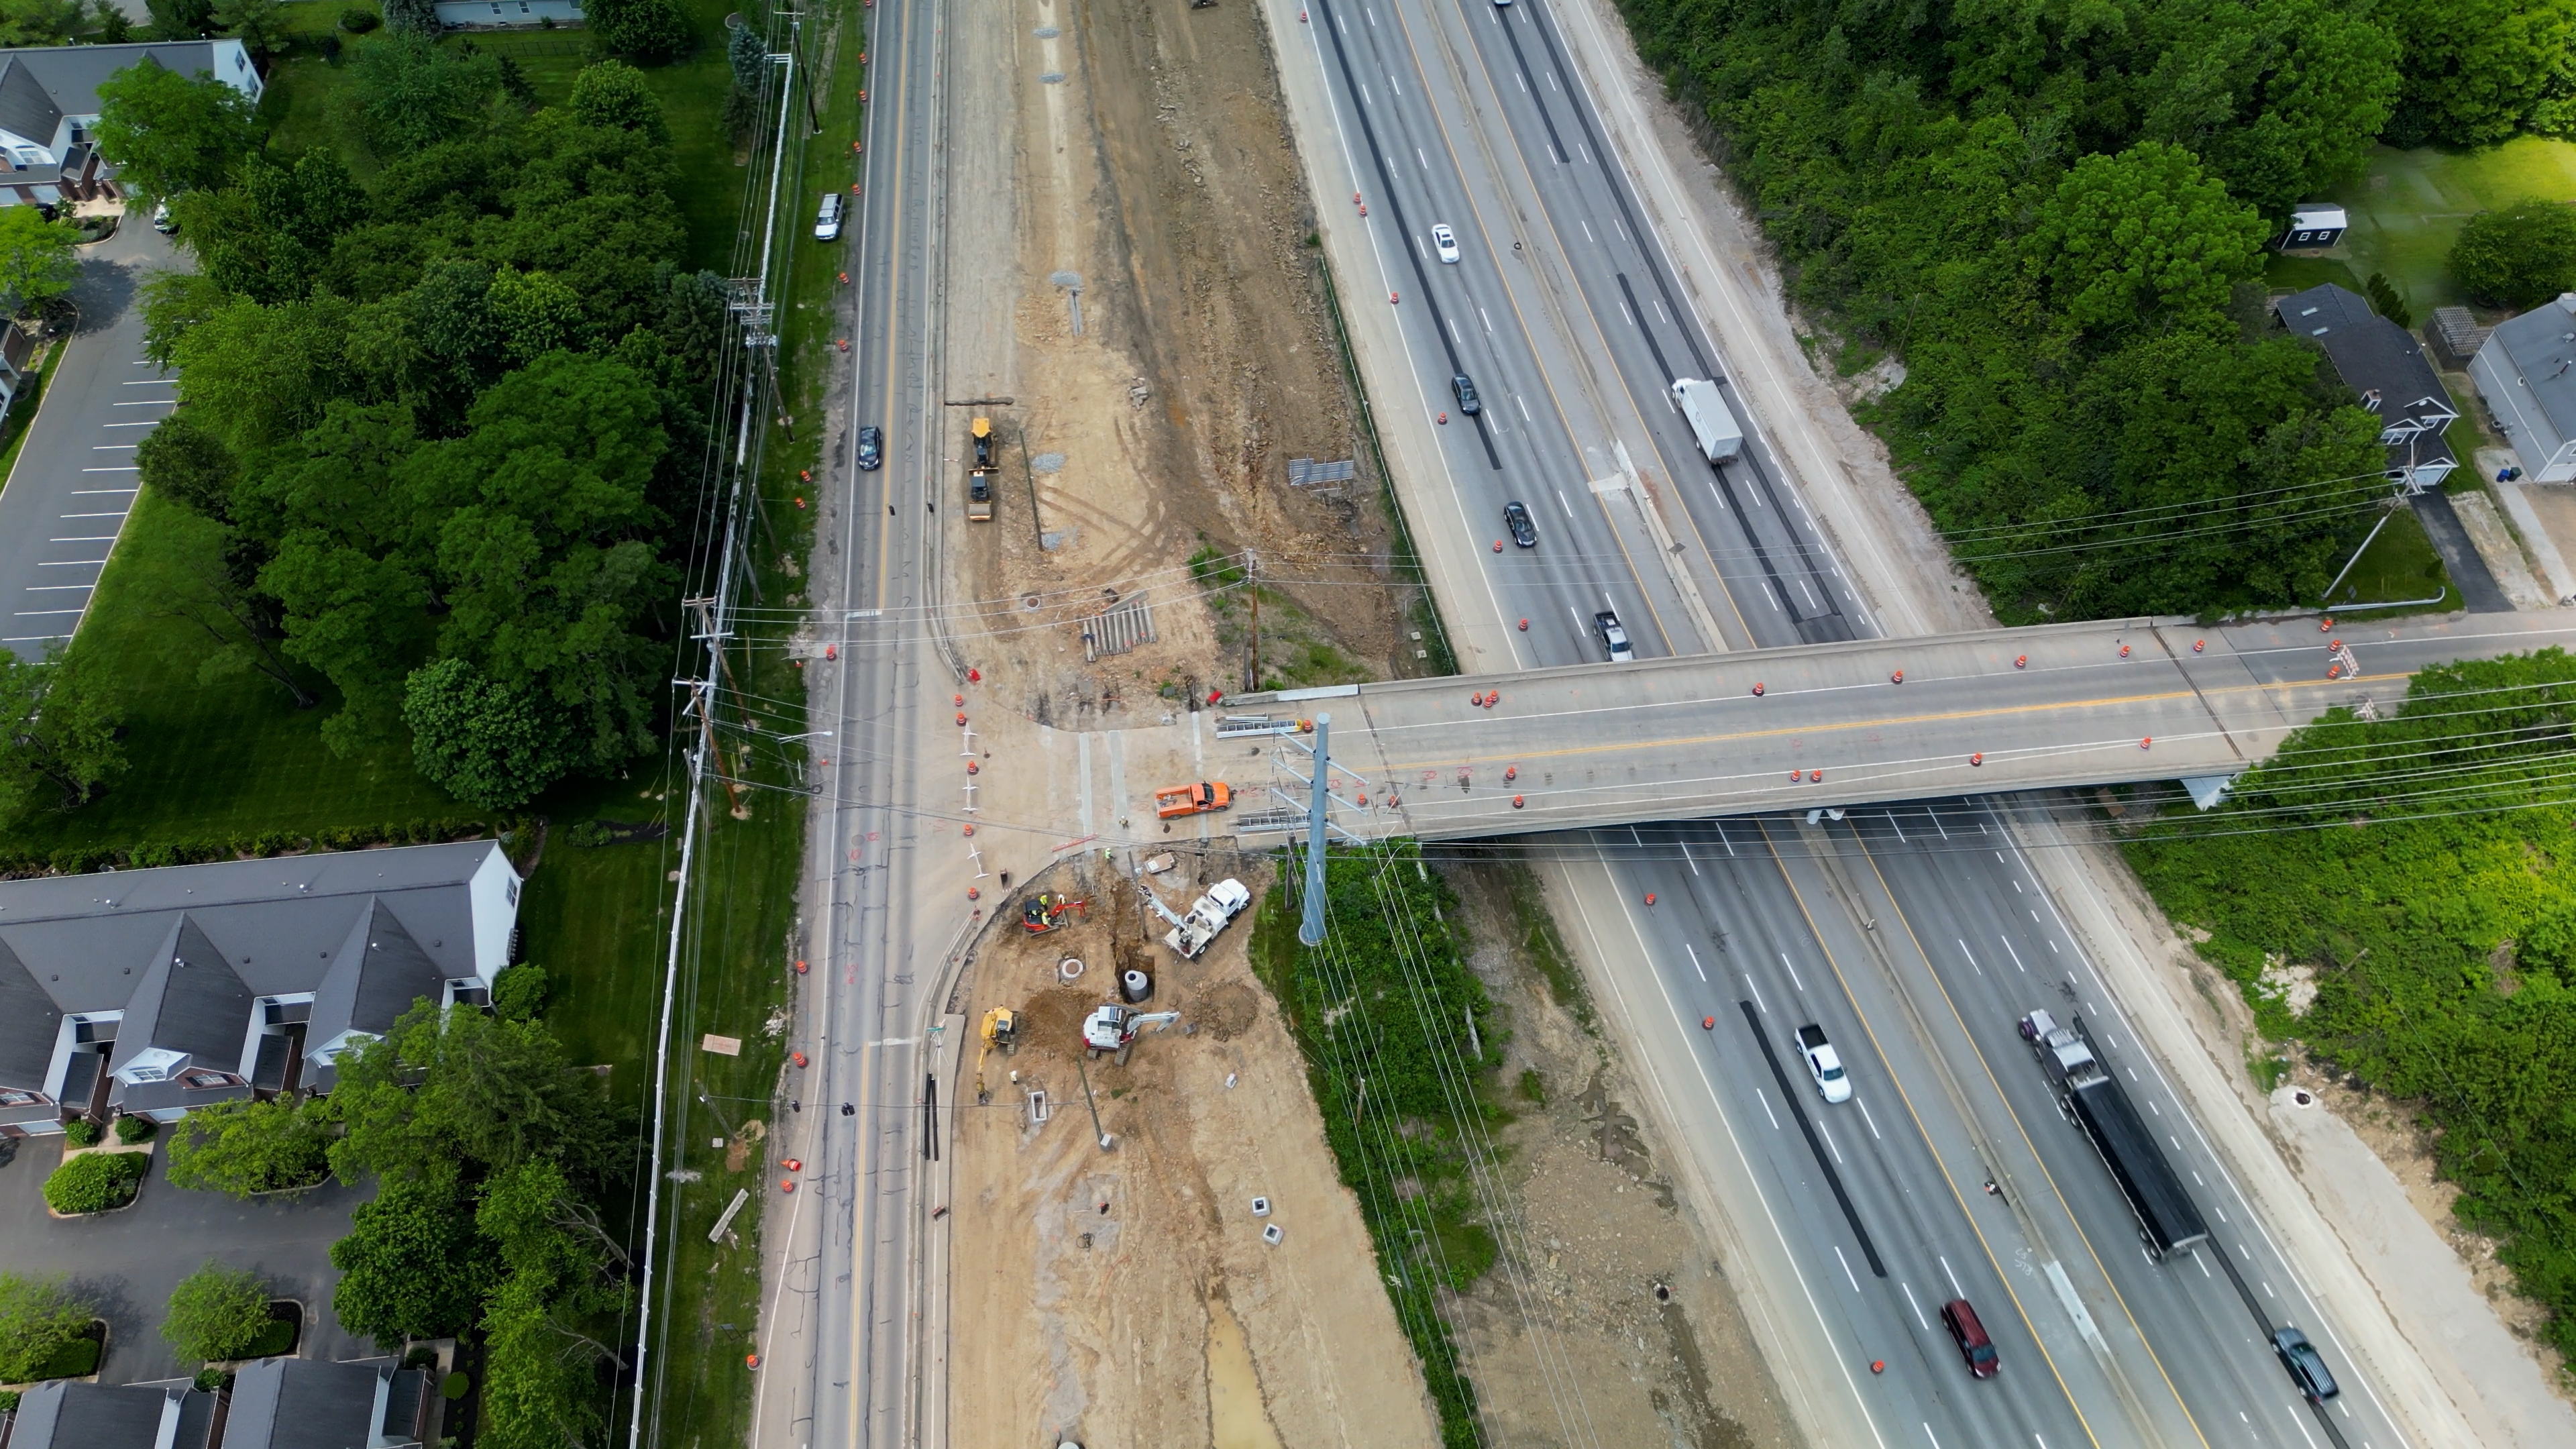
(1711, 420)
(2168, 1220)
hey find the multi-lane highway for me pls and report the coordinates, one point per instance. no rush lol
(1561, 309)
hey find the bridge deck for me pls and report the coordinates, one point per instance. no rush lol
(1687, 738)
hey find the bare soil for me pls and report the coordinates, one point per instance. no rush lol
(1127, 1296)
(1599, 1347)
(1157, 191)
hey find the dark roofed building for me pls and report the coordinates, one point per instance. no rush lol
(300, 1403)
(67, 1414)
(2523, 372)
(49, 104)
(2386, 365)
(200, 982)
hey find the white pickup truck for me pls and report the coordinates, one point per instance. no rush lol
(1213, 913)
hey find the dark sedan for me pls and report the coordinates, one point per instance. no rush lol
(1517, 518)
(871, 448)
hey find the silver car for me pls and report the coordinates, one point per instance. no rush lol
(827, 222)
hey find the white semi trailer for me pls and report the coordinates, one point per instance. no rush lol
(1720, 438)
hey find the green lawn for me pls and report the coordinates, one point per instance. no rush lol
(2407, 207)
(2399, 564)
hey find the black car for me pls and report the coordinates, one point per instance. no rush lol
(1517, 519)
(871, 447)
(1465, 388)
(2307, 1367)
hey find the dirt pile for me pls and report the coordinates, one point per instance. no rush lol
(1128, 1296)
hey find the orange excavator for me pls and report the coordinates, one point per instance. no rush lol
(1047, 909)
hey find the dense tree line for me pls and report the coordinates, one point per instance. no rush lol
(448, 418)
(2055, 216)
(2406, 863)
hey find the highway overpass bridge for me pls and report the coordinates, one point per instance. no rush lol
(2109, 702)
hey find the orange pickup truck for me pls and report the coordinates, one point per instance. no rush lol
(1197, 799)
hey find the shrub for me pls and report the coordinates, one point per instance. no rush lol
(210, 1380)
(2519, 257)
(216, 1313)
(131, 1129)
(242, 1147)
(96, 1182)
(8, 1401)
(520, 993)
(38, 1319)
(82, 1132)
(454, 1387)
(358, 20)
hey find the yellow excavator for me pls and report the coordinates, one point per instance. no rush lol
(1002, 1030)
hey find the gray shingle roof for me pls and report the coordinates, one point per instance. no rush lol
(29, 1026)
(299, 1403)
(72, 74)
(2375, 357)
(379, 972)
(86, 938)
(66, 1415)
(187, 999)
(2541, 345)
(26, 108)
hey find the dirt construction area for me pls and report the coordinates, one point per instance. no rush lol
(1133, 271)
(1127, 1297)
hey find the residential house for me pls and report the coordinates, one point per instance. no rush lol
(70, 1414)
(49, 106)
(2386, 365)
(302, 1403)
(2314, 224)
(2523, 373)
(506, 14)
(151, 991)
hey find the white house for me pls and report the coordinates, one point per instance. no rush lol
(506, 14)
(49, 103)
(2524, 374)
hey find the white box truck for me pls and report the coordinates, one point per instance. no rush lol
(1719, 437)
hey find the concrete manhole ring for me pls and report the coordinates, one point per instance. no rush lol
(1069, 969)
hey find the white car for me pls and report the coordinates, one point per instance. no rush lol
(827, 222)
(1823, 1063)
(1445, 242)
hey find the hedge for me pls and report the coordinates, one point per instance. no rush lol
(96, 1181)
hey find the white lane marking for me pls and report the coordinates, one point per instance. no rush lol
(1864, 1116)
(1793, 972)
(1766, 1108)
(1660, 312)
(1846, 1262)
(153, 402)
(86, 538)
(1587, 228)
(79, 491)
(112, 470)
(1372, 16)
(71, 563)
(57, 588)
(1584, 151)
(1971, 955)
(41, 613)
(1955, 1290)
(1917, 1307)
(1489, 322)
(1569, 512)
(1686, 855)
(1830, 1145)
(1524, 85)
(2016, 955)
(1525, 412)
(1695, 966)
(1712, 485)
(1425, 160)
(1552, 85)
(153, 382)
(1757, 993)
(1899, 829)
(1624, 312)
(1399, 91)
(114, 447)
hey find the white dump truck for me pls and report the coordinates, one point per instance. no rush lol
(1720, 438)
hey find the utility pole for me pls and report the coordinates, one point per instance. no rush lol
(1252, 574)
(1310, 930)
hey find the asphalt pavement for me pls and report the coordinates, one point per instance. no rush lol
(67, 496)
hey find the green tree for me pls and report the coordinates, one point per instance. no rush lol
(188, 465)
(412, 1265)
(2387, 301)
(2277, 97)
(2141, 235)
(41, 22)
(259, 375)
(519, 993)
(747, 52)
(539, 1322)
(260, 25)
(269, 235)
(647, 30)
(615, 94)
(412, 17)
(488, 745)
(109, 24)
(57, 734)
(2519, 257)
(216, 1313)
(180, 19)
(38, 1316)
(413, 93)
(443, 1093)
(169, 133)
(534, 314)
(36, 257)
(2477, 71)
(246, 1146)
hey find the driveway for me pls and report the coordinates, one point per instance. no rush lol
(66, 498)
(127, 1262)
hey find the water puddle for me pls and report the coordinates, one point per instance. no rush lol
(1234, 1392)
